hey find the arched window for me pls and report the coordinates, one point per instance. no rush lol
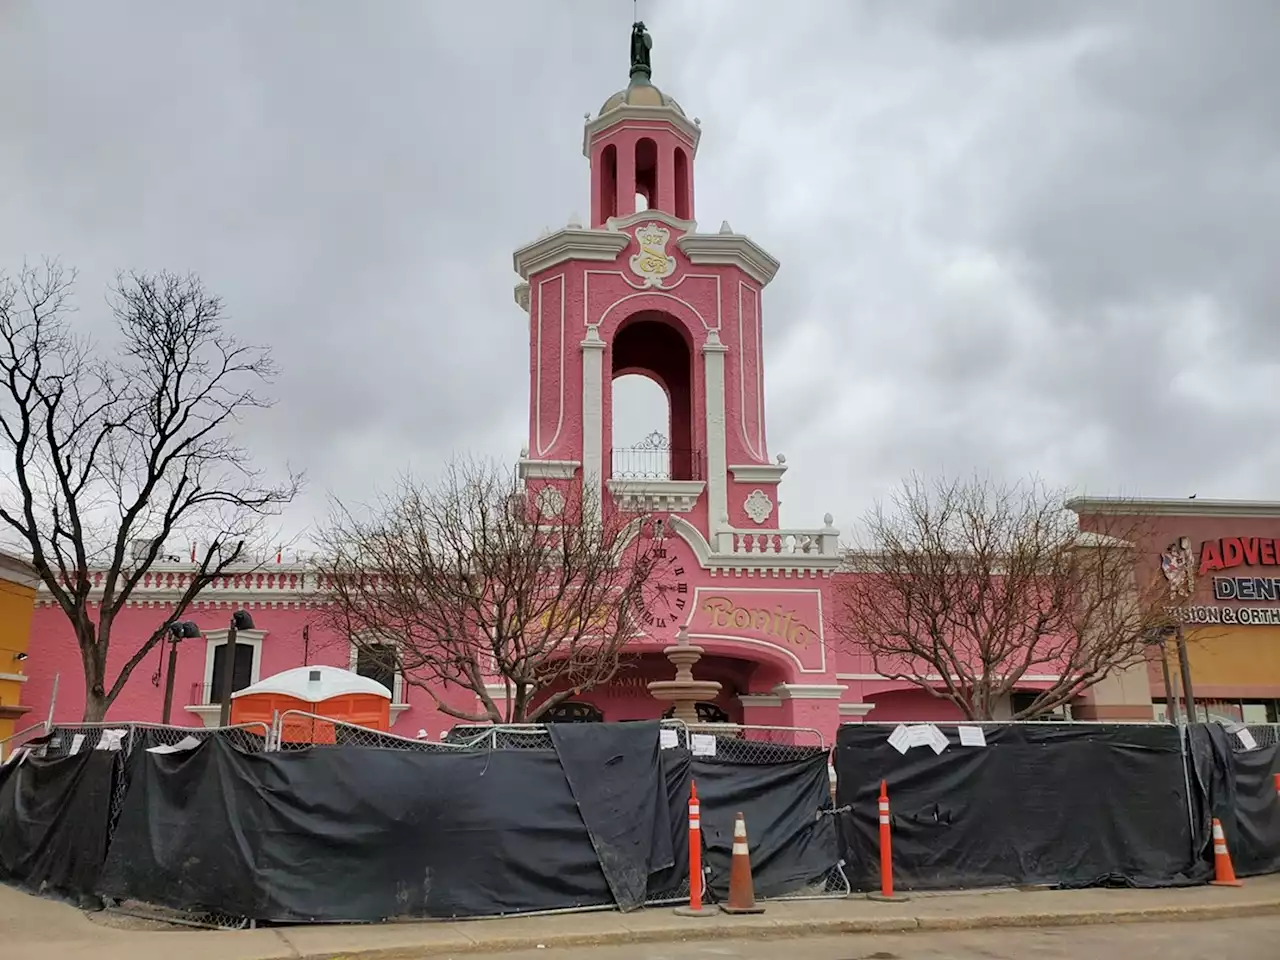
(572, 711)
(682, 185)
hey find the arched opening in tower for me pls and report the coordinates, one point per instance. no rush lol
(607, 183)
(651, 346)
(647, 173)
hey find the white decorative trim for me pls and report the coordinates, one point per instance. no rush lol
(855, 709)
(758, 472)
(214, 640)
(810, 691)
(592, 416)
(651, 262)
(541, 448)
(568, 244)
(14, 677)
(760, 700)
(656, 496)
(730, 250)
(522, 296)
(627, 113)
(209, 713)
(547, 469)
(1128, 507)
(622, 224)
(713, 355)
(758, 506)
(1030, 677)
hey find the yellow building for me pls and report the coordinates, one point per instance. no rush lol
(18, 582)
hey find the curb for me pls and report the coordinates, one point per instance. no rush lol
(759, 928)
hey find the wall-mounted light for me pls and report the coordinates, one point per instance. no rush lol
(20, 656)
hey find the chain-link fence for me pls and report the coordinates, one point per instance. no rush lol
(15, 741)
(125, 738)
(298, 730)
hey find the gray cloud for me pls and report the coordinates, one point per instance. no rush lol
(1014, 236)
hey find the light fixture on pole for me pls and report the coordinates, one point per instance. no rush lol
(240, 620)
(184, 630)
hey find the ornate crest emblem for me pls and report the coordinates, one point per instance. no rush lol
(652, 264)
(1178, 567)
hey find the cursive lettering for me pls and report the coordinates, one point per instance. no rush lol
(783, 624)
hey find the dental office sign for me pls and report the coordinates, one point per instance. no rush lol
(1254, 599)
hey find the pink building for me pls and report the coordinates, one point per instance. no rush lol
(633, 291)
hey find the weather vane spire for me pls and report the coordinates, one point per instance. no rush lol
(641, 44)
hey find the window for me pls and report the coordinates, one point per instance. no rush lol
(378, 662)
(246, 669)
(571, 711)
(241, 670)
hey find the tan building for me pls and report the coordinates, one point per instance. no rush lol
(1220, 560)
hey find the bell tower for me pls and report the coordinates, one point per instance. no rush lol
(638, 290)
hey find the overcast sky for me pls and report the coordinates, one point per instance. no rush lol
(1017, 237)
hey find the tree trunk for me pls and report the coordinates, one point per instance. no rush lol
(95, 693)
(95, 706)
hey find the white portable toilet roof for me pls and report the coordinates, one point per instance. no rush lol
(314, 684)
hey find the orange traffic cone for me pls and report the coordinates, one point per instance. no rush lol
(742, 894)
(1224, 875)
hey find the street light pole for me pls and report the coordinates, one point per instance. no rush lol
(1185, 664)
(240, 620)
(186, 630)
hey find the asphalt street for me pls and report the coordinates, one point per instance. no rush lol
(1249, 939)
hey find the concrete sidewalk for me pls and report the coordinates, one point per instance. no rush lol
(35, 929)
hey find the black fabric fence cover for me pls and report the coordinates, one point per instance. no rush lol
(622, 798)
(1051, 803)
(360, 834)
(1238, 787)
(54, 820)
(793, 845)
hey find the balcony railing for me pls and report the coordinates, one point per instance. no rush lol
(655, 459)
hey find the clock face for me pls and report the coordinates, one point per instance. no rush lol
(665, 596)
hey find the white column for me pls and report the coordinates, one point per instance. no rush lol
(593, 415)
(713, 352)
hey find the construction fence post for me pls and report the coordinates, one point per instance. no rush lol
(886, 851)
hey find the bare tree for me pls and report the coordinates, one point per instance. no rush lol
(114, 452)
(476, 578)
(967, 589)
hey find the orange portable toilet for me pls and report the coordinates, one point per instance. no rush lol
(325, 691)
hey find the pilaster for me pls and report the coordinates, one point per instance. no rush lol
(592, 417)
(713, 352)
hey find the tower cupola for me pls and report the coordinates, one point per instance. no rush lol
(641, 147)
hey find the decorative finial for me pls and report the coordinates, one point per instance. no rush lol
(641, 44)
(782, 459)
(828, 519)
(725, 228)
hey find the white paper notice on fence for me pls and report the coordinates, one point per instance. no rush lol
(900, 739)
(668, 739)
(77, 742)
(972, 737)
(111, 740)
(182, 746)
(920, 735)
(703, 744)
(1246, 739)
(937, 739)
(16, 754)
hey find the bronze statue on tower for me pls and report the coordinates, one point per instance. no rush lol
(641, 44)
